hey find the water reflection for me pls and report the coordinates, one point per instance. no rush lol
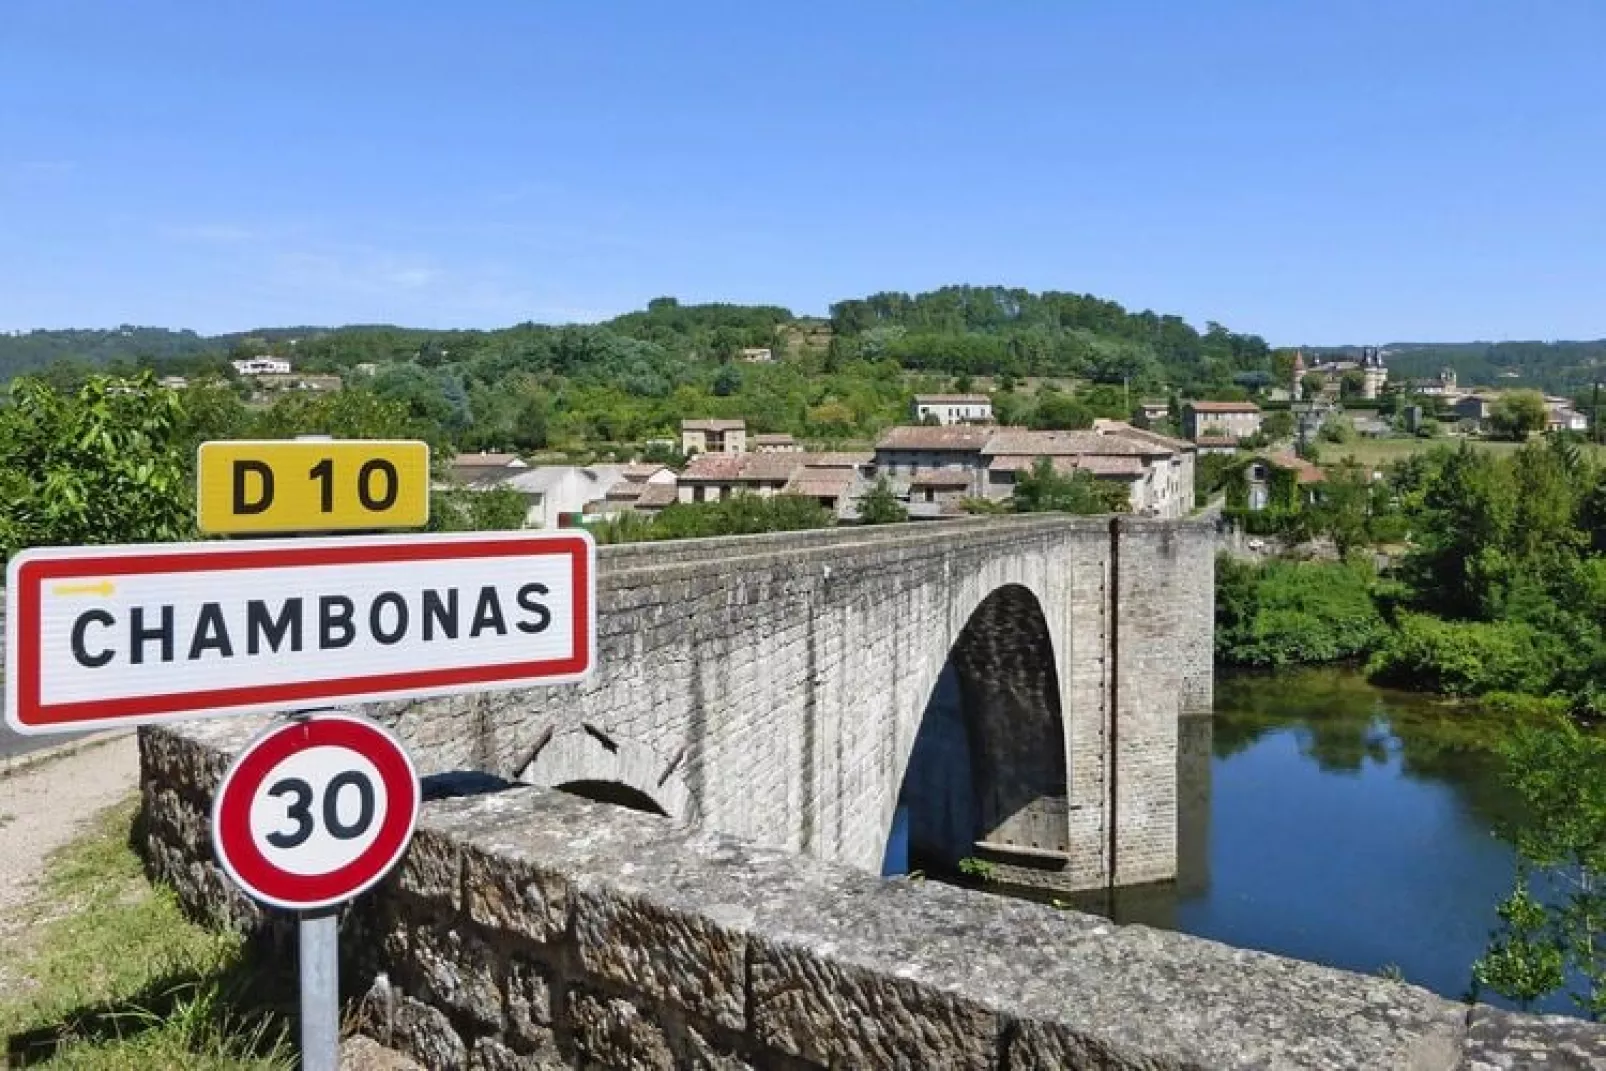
(1329, 820)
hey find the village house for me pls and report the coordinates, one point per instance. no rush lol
(557, 496)
(757, 355)
(1215, 444)
(905, 450)
(636, 479)
(264, 365)
(1157, 470)
(1475, 410)
(713, 436)
(819, 476)
(483, 467)
(938, 492)
(776, 443)
(953, 408)
(834, 488)
(1153, 412)
(1264, 489)
(1561, 416)
(1236, 420)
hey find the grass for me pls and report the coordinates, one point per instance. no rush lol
(112, 976)
(1378, 452)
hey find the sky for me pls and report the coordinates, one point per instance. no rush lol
(1314, 172)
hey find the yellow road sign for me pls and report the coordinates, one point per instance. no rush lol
(302, 485)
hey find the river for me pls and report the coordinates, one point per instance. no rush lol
(1329, 820)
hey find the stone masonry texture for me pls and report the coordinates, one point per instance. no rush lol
(529, 928)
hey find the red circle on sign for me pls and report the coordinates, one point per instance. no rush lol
(236, 845)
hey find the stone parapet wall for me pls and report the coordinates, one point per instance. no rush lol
(528, 928)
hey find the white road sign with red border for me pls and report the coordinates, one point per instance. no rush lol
(98, 637)
(315, 811)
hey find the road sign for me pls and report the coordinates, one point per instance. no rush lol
(314, 811)
(305, 485)
(126, 635)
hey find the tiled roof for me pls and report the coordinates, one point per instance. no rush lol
(1142, 435)
(934, 437)
(820, 483)
(764, 468)
(484, 460)
(773, 439)
(627, 490)
(952, 399)
(1067, 443)
(940, 478)
(1222, 407)
(1304, 470)
(713, 425)
(657, 496)
(642, 470)
(1103, 465)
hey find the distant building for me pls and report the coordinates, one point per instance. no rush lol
(1475, 409)
(1153, 412)
(173, 382)
(636, 478)
(560, 496)
(757, 355)
(1157, 470)
(1262, 491)
(257, 366)
(270, 381)
(713, 436)
(485, 467)
(1564, 417)
(953, 408)
(1440, 386)
(1237, 420)
(776, 443)
(714, 477)
(903, 451)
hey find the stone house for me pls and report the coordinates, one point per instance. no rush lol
(938, 492)
(903, 451)
(776, 443)
(1282, 481)
(712, 477)
(953, 408)
(1237, 420)
(638, 477)
(485, 467)
(561, 495)
(1158, 471)
(1563, 417)
(713, 436)
(836, 489)
(1153, 412)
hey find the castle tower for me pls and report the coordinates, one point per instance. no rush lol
(1296, 391)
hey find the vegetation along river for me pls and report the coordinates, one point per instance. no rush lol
(1333, 821)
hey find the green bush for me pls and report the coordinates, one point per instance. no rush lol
(1463, 657)
(1283, 613)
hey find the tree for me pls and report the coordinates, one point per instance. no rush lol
(1517, 413)
(880, 505)
(1313, 383)
(1043, 490)
(1559, 773)
(1278, 425)
(1352, 384)
(105, 464)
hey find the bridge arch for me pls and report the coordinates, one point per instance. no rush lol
(599, 765)
(986, 770)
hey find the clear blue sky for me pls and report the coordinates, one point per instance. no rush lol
(1315, 172)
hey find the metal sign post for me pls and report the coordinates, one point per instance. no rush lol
(318, 938)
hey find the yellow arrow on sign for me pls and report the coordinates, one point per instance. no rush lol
(105, 587)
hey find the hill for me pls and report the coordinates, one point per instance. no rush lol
(1555, 367)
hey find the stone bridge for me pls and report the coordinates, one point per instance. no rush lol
(1014, 683)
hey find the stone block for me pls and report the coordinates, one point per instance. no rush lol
(680, 958)
(807, 1005)
(492, 1055)
(452, 967)
(612, 1032)
(515, 897)
(529, 1001)
(427, 1035)
(431, 870)
(1502, 1041)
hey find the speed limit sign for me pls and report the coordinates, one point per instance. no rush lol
(315, 811)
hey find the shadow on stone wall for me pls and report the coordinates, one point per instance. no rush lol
(987, 767)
